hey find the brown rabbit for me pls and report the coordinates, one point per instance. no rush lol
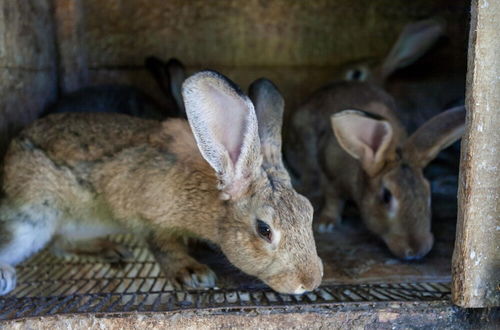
(73, 178)
(420, 92)
(417, 98)
(413, 42)
(368, 158)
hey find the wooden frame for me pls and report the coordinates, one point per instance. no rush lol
(476, 258)
(35, 62)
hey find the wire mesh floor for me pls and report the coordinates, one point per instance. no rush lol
(48, 285)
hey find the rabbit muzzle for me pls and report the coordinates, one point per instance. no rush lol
(412, 247)
(305, 278)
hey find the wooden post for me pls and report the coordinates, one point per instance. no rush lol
(28, 75)
(476, 259)
(73, 68)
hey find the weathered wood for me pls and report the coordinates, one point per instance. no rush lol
(297, 44)
(368, 315)
(476, 259)
(253, 32)
(73, 71)
(27, 63)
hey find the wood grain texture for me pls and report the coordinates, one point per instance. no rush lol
(476, 259)
(428, 315)
(27, 64)
(297, 44)
(71, 50)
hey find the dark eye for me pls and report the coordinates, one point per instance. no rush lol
(356, 74)
(386, 196)
(264, 230)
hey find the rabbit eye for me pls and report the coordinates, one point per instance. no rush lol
(386, 196)
(356, 74)
(264, 230)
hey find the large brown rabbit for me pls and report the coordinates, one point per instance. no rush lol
(73, 178)
(369, 159)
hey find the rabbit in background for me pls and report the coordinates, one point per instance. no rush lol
(414, 41)
(418, 98)
(72, 178)
(131, 100)
(352, 146)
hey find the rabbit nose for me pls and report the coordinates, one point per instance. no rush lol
(312, 280)
(306, 287)
(420, 248)
(411, 255)
(300, 290)
(415, 255)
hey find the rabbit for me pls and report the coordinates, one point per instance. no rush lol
(71, 178)
(420, 93)
(356, 149)
(417, 101)
(129, 99)
(414, 41)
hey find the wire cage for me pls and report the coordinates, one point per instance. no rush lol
(51, 47)
(48, 285)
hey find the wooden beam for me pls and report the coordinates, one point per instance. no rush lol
(476, 259)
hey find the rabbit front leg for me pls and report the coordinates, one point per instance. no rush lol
(331, 213)
(180, 268)
(24, 230)
(98, 247)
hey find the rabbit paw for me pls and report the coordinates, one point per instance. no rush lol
(114, 252)
(7, 279)
(326, 224)
(192, 274)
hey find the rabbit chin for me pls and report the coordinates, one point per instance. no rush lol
(413, 248)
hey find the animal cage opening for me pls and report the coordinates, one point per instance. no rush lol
(375, 165)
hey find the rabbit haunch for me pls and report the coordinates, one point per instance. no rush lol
(104, 173)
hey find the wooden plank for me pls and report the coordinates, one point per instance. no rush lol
(476, 259)
(71, 46)
(27, 64)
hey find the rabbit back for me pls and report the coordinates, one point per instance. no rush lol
(100, 161)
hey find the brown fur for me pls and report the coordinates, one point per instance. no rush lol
(341, 176)
(80, 176)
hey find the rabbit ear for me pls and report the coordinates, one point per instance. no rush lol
(269, 107)
(155, 67)
(224, 125)
(363, 136)
(436, 134)
(169, 77)
(177, 73)
(413, 42)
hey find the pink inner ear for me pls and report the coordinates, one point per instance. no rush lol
(371, 132)
(229, 126)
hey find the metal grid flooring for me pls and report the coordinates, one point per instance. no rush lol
(48, 285)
